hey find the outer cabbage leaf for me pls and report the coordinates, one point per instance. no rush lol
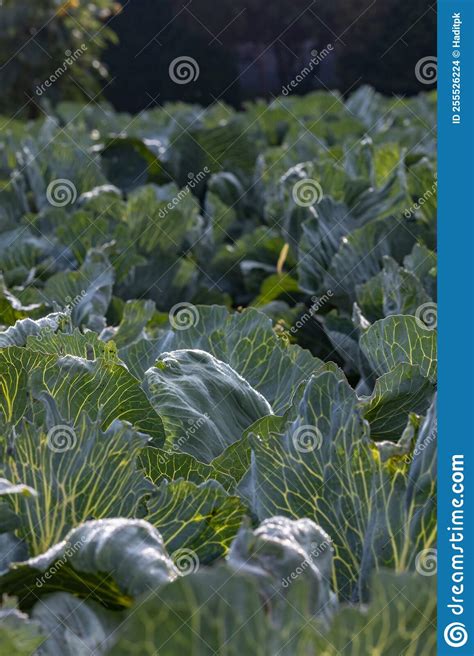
(87, 292)
(205, 405)
(400, 619)
(203, 519)
(19, 636)
(207, 613)
(397, 339)
(102, 386)
(159, 465)
(247, 342)
(292, 560)
(80, 473)
(323, 465)
(392, 291)
(18, 334)
(397, 393)
(110, 561)
(74, 627)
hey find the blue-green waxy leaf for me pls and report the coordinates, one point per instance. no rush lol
(73, 626)
(19, 636)
(219, 612)
(18, 334)
(397, 339)
(12, 549)
(80, 472)
(318, 466)
(87, 346)
(159, 465)
(392, 291)
(85, 293)
(402, 390)
(204, 404)
(323, 465)
(320, 240)
(203, 519)
(110, 561)
(136, 315)
(159, 223)
(292, 559)
(400, 619)
(20, 252)
(16, 365)
(422, 262)
(247, 342)
(101, 388)
(202, 614)
(360, 254)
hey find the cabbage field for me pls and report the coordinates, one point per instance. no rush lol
(217, 379)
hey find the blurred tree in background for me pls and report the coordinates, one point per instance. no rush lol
(41, 39)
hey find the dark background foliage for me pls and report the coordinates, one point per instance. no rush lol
(247, 48)
(244, 48)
